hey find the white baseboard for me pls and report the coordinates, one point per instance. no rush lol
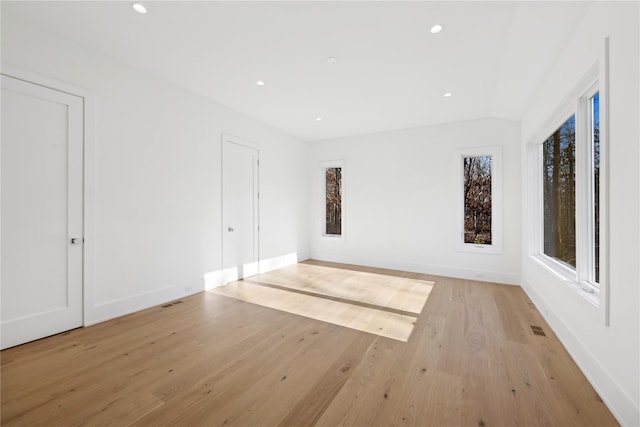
(213, 279)
(275, 263)
(121, 307)
(459, 273)
(219, 278)
(620, 404)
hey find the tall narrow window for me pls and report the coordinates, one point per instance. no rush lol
(479, 194)
(559, 216)
(333, 201)
(595, 160)
(477, 200)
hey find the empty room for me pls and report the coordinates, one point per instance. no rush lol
(320, 213)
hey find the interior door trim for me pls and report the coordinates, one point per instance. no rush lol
(88, 177)
(228, 138)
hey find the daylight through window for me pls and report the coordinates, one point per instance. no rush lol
(570, 177)
(333, 201)
(559, 189)
(595, 164)
(477, 200)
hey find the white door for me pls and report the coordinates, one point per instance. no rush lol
(239, 210)
(41, 223)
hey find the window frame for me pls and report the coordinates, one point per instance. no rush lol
(575, 103)
(585, 250)
(495, 152)
(323, 194)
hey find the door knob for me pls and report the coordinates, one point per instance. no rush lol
(75, 241)
(230, 230)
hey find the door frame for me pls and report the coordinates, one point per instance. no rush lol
(230, 139)
(88, 248)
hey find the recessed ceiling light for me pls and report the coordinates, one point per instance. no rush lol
(260, 83)
(436, 29)
(448, 94)
(318, 119)
(332, 60)
(139, 7)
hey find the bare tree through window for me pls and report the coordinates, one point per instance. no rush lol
(595, 124)
(477, 200)
(559, 160)
(333, 202)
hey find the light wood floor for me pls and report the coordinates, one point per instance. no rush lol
(472, 359)
(379, 304)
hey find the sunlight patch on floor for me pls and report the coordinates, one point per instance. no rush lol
(383, 323)
(378, 304)
(398, 293)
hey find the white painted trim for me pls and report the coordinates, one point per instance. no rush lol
(495, 152)
(621, 404)
(271, 264)
(89, 174)
(437, 270)
(215, 279)
(568, 277)
(575, 103)
(240, 141)
(604, 184)
(533, 197)
(566, 107)
(122, 307)
(232, 274)
(42, 80)
(585, 242)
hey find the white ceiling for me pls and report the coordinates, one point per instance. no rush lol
(391, 72)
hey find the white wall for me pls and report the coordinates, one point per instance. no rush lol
(609, 355)
(155, 194)
(399, 200)
(154, 225)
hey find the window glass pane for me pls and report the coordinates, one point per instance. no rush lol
(477, 200)
(333, 202)
(595, 109)
(559, 214)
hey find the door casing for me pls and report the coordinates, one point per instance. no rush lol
(46, 317)
(232, 271)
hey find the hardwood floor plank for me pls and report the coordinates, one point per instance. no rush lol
(365, 396)
(379, 322)
(223, 374)
(271, 399)
(311, 407)
(471, 359)
(513, 327)
(399, 293)
(328, 297)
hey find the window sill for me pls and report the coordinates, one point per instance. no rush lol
(332, 237)
(569, 278)
(478, 249)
